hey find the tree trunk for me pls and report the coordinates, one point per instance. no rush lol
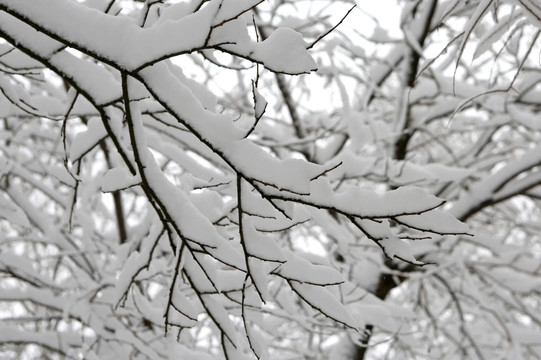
(387, 282)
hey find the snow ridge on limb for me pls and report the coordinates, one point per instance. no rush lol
(302, 183)
(120, 42)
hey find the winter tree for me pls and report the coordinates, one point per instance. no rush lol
(239, 179)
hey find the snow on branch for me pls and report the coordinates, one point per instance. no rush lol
(207, 201)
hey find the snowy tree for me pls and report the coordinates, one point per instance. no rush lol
(267, 180)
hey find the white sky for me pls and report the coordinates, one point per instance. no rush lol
(386, 12)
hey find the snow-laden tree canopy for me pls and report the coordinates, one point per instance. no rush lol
(245, 179)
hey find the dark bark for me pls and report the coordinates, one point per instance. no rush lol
(387, 282)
